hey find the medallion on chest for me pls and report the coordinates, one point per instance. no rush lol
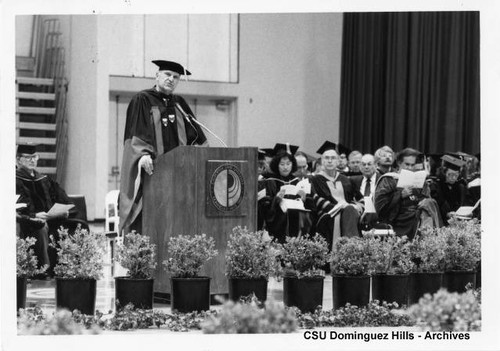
(170, 114)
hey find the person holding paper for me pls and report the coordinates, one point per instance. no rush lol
(157, 121)
(402, 206)
(278, 188)
(40, 193)
(337, 203)
(449, 193)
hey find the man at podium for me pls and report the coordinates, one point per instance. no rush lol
(157, 122)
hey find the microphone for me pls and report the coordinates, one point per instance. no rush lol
(191, 118)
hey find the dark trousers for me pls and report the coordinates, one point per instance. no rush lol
(41, 247)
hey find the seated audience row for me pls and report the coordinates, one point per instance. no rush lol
(346, 198)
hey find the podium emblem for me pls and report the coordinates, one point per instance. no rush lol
(226, 188)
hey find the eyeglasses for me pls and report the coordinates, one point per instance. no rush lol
(30, 157)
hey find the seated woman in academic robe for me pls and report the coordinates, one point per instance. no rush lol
(337, 203)
(279, 220)
(405, 208)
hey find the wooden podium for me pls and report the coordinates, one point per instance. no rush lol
(196, 190)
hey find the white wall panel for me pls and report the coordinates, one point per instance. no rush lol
(209, 47)
(125, 43)
(165, 39)
(24, 27)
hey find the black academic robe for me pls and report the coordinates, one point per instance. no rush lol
(449, 197)
(324, 202)
(281, 224)
(154, 121)
(40, 192)
(401, 213)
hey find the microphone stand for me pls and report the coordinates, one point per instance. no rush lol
(208, 130)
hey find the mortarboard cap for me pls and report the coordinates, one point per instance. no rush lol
(171, 66)
(28, 149)
(327, 145)
(291, 149)
(341, 149)
(460, 155)
(268, 152)
(452, 162)
(261, 154)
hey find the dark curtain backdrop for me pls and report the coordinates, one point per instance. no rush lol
(410, 79)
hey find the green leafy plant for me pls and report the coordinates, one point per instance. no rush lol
(427, 252)
(187, 254)
(137, 255)
(27, 262)
(251, 255)
(390, 255)
(249, 318)
(445, 311)
(304, 256)
(462, 250)
(80, 255)
(352, 256)
(33, 322)
(375, 314)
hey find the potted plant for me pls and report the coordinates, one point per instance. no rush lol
(187, 254)
(26, 267)
(462, 253)
(138, 256)
(391, 267)
(251, 257)
(80, 264)
(303, 280)
(427, 253)
(351, 262)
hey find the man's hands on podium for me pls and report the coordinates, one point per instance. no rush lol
(146, 163)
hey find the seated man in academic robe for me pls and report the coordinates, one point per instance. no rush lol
(39, 193)
(405, 208)
(337, 203)
(365, 184)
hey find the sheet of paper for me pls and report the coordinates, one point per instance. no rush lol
(464, 212)
(289, 204)
(58, 210)
(261, 194)
(409, 179)
(289, 189)
(473, 183)
(304, 185)
(369, 206)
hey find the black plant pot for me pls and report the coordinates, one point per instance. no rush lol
(136, 291)
(390, 288)
(455, 281)
(76, 294)
(350, 289)
(241, 287)
(423, 283)
(190, 294)
(305, 293)
(21, 292)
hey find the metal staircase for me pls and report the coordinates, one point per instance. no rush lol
(41, 97)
